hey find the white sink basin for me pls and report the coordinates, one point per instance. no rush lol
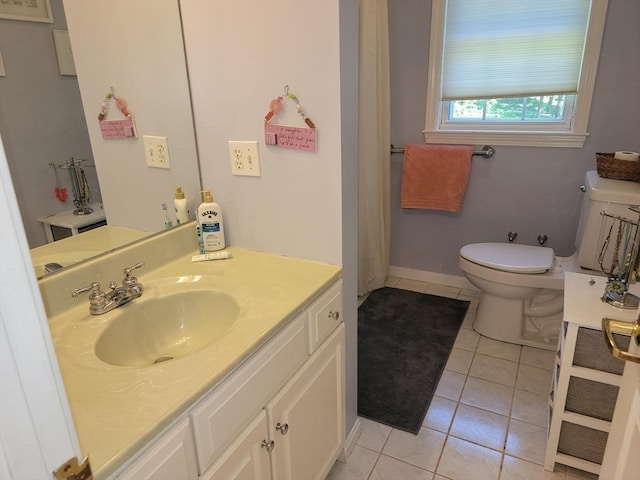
(172, 319)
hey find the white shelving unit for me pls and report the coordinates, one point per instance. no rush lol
(586, 377)
(66, 224)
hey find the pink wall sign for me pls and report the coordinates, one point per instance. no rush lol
(112, 129)
(286, 136)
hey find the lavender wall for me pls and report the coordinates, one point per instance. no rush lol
(41, 120)
(528, 190)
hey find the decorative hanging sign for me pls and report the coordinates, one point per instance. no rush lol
(114, 129)
(287, 136)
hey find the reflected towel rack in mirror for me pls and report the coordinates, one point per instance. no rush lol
(487, 151)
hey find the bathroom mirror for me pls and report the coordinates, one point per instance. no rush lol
(43, 121)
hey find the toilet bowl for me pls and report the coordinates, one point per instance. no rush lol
(521, 291)
(521, 286)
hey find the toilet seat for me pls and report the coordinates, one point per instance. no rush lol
(509, 257)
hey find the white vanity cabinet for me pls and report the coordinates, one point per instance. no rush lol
(299, 433)
(586, 378)
(280, 415)
(324, 315)
(172, 456)
(247, 458)
(220, 416)
(306, 418)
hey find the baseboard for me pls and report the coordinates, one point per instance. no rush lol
(430, 277)
(351, 440)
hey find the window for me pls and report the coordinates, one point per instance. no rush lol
(548, 109)
(512, 73)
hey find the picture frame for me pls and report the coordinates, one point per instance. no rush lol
(26, 10)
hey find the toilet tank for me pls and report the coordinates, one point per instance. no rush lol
(602, 195)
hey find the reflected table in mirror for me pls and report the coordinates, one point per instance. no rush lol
(66, 224)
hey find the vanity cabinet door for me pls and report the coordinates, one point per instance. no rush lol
(173, 456)
(247, 458)
(231, 406)
(306, 418)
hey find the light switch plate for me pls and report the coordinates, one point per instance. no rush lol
(244, 158)
(156, 151)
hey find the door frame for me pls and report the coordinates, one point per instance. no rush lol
(37, 434)
(619, 454)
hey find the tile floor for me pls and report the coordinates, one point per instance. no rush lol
(487, 420)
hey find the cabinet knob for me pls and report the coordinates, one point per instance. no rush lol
(283, 428)
(334, 315)
(268, 445)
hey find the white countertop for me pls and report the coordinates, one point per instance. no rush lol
(117, 410)
(583, 304)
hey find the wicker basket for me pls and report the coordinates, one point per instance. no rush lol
(610, 167)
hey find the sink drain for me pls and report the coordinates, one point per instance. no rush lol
(162, 358)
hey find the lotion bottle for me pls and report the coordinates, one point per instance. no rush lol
(211, 226)
(181, 207)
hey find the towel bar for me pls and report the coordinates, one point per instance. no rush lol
(487, 151)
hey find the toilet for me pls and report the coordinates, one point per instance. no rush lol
(521, 286)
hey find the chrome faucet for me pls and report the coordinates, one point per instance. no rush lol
(118, 295)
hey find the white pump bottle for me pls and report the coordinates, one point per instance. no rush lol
(211, 225)
(181, 207)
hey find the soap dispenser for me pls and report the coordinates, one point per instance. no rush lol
(211, 226)
(181, 206)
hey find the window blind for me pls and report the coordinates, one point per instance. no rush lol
(512, 48)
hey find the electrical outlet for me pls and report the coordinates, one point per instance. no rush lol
(156, 151)
(244, 158)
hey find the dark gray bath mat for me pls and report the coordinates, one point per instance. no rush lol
(404, 341)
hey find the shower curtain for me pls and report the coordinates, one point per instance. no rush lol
(374, 144)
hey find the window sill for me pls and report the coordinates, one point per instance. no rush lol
(515, 139)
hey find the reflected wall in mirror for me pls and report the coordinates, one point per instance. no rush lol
(46, 117)
(41, 120)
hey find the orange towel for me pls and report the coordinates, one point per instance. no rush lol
(435, 176)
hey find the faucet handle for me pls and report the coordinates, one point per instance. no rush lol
(97, 298)
(127, 271)
(128, 278)
(94, 288)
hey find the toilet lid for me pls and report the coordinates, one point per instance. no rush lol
(510, 257)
